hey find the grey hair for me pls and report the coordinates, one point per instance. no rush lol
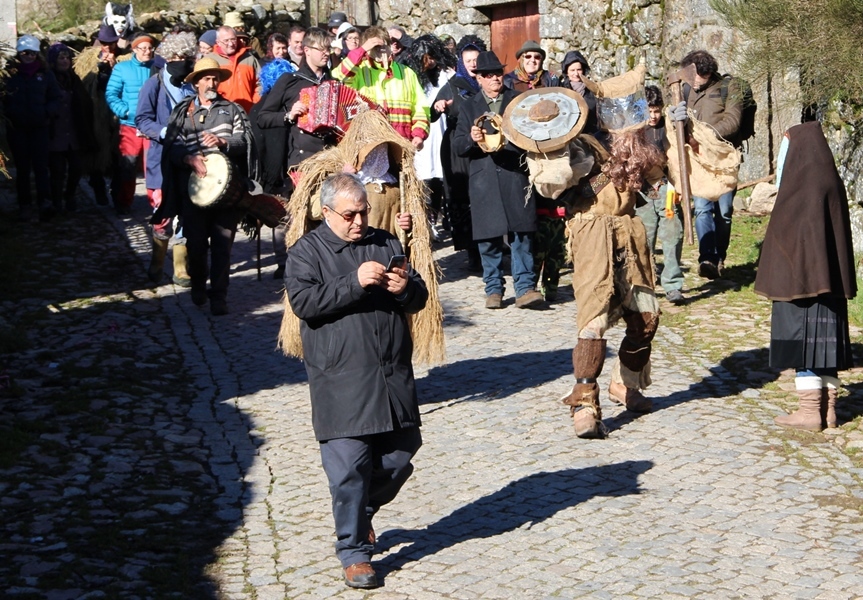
(183, 44)
(341, 184)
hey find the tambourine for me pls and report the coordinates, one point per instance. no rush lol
(491, 142)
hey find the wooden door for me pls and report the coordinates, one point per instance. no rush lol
(511, 26)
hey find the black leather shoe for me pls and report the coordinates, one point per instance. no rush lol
(361, 575)
(218, 308)
(708, 270)
(199, 297)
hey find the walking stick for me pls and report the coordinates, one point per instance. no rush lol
(675, 80)
(402, 234)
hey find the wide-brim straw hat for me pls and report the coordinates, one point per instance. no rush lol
(206, 66)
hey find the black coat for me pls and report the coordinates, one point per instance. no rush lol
(31, 102)
(356, 344)
(272, 147)
(498, 181)
(591, 126)
(455, 167)
(280, 100)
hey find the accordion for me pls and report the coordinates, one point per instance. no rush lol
(332, 105)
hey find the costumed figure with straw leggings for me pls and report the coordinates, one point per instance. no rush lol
(613, 278)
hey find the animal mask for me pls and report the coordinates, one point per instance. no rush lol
(120, 17)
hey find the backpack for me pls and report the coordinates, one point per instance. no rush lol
(748, 108)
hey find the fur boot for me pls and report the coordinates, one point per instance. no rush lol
(588, 357)
(808, 416)
(828, 405)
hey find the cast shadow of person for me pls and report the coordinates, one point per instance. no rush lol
(526, 501)
(850, 406)
(493, 377)
(732, 279)
(737, 372)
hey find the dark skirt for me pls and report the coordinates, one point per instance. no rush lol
(810, 333)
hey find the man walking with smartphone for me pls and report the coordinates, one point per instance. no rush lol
(357, 350)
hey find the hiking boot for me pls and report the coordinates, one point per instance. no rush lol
(494, 301)
(531, 299)
(708, 270)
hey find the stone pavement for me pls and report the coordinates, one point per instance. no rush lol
(702, 498)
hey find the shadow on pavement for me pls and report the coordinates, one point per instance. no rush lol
(493, 377)
(120, 476)
(527, 501)
(735, 373)
(733, 278)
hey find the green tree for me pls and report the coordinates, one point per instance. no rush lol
(819, 39)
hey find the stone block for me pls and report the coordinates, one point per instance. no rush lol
(468, 16)
(763, 198)
(557, 24)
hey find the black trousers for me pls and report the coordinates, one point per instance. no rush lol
(365, 473)
(65, 168)
(210, 229)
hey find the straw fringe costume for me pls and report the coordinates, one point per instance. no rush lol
(369, 130)
(102, 159)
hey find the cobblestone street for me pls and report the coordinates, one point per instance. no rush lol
(211, 448)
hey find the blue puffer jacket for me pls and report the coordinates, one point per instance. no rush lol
(125, 84)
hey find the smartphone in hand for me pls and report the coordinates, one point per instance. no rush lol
(398, 261)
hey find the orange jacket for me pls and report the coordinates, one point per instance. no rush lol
(242, 86)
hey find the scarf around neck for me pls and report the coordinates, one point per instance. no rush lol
(532, 81)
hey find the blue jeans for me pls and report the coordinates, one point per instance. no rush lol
(521, 263)
(713, 226)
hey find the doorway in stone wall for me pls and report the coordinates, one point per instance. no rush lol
(511, 26)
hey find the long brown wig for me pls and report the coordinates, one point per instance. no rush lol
(632, 157)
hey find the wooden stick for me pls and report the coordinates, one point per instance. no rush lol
(403, 236)
(685, 193)
(749, 184)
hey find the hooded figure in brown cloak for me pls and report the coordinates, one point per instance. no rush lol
(807, 269)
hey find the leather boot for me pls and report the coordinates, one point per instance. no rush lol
(634, 400)
(828, 406)
(808, 416)
(157, 261)
(181, 276)
(588, 357)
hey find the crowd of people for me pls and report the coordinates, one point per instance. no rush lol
(192, 104)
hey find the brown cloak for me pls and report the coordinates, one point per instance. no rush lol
(807, 249)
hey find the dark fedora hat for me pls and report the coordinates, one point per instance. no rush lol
(487, 62)
(336, 19)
